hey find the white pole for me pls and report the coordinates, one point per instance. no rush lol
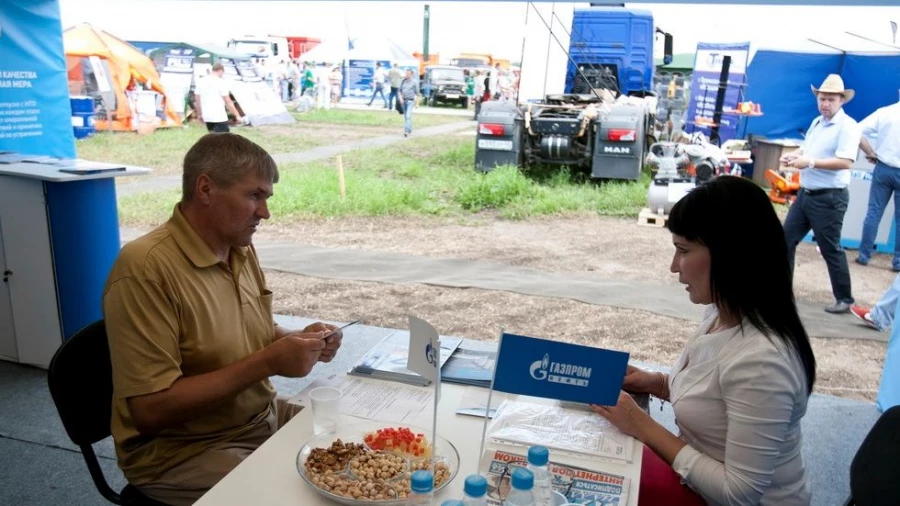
(437, 395)
(487, 408)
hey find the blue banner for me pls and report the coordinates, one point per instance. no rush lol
(705, 87)
(179, 60)
(358, 76)
(562, 371)
(35, 114)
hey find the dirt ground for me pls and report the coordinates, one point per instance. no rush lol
(589, 246)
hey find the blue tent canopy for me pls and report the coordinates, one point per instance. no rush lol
(779, 80)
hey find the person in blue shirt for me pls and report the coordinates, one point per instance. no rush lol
(824, 159)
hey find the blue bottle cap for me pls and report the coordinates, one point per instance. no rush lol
(538, 455)
(522, 479)
(476, 485)
(421, 481)
(452, 502)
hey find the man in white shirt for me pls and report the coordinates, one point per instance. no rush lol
(323, 86)
(829, 149)
(494, 82)
(378, 79)
(213, 96)
(883, 126)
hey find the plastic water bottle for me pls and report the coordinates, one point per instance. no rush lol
(522, 488)
(421, 485)
(538, 457)
(452, 502)
(475, 490)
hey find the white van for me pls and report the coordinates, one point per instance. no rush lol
(263, 47)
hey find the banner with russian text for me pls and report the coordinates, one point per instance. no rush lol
(35, 114)
(705, 87)
(562, 371)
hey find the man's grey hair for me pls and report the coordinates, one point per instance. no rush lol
(225, 158)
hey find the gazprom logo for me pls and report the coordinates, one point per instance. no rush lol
(431, 354)
(539, 369)
(556, 372)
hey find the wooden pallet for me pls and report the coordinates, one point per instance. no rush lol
(648, 218)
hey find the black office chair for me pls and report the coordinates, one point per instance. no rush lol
(875, 470)
(80, 380)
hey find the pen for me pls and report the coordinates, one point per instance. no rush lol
(331, 333)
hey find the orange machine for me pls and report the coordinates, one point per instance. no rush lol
(784, 185)
(479, 60)
(433, 59)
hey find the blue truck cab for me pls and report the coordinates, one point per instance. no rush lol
(612, 43)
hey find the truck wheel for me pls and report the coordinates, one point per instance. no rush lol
(464, 102)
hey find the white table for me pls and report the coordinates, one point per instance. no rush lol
(269, 476)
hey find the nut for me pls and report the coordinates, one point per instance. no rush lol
(378, 465)
(372, 476)
(441, 469)
(333, 458)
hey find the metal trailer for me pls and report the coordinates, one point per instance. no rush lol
(608, 140)
(604, 123)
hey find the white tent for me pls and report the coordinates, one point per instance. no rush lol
(333, 50)
(381, 49)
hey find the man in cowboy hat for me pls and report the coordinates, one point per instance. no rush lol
(824, 158)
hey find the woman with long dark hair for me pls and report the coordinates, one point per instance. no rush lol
(741, 385)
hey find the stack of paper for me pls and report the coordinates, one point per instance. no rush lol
(387, 359)
(470, 367)
(372, 400)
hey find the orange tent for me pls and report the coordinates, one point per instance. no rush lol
(116, 66)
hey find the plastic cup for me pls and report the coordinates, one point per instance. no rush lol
(557, 499)
(324, 402)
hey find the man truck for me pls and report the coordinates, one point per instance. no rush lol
(604, 120)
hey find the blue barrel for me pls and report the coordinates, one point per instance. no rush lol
(82, 116)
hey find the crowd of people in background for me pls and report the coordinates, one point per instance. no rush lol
(293, 79)
(491, 84)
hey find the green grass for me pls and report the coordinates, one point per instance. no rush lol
(164, 149)
(148, 209)
(420, 177)
(375, 118)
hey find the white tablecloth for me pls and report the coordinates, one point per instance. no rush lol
(269, 477)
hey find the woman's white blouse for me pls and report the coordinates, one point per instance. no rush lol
(738, 399)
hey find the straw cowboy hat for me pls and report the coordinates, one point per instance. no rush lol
(834, 84)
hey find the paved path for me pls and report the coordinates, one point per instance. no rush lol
(387, 267)
(156, 183)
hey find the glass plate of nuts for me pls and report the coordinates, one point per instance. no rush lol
(371, 462)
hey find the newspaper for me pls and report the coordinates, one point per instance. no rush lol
(579, 485)
(566, 430)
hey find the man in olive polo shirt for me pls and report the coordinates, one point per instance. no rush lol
(191, 333)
